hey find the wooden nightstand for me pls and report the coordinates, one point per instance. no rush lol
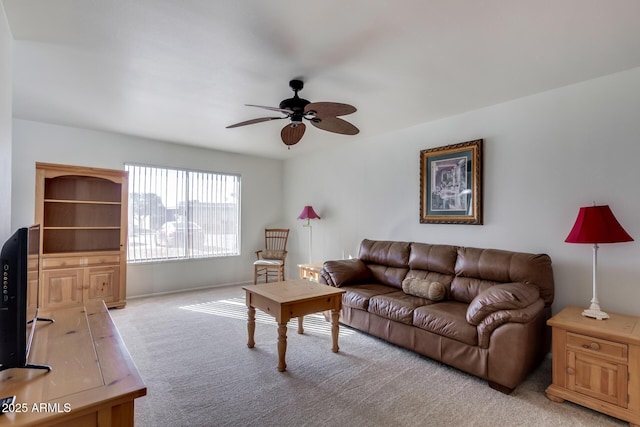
(310, 271)
(596, 363)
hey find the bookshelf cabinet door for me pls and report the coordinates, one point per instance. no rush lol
(62, 288)
(102, 284)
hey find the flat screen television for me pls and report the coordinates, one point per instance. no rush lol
(20, 263)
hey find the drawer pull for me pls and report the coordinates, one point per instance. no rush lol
(592, 346)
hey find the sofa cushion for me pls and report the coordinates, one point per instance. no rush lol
(465, 289)
(505, 296)
(387, 253)
(436, 258)
(388, 261)
(447, 318)
(397, 306)
(390, 276)
(358, 296)
(434, 291)
(478, 269)
(347, 271)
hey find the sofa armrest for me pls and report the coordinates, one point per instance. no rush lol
(504, 296)
(499, 318)
(343, 272)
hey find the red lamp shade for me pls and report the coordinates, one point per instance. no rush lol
(308, 213)
(596, 224)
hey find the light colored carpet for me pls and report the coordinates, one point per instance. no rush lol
(191, 351)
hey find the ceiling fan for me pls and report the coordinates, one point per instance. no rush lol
(323, 115)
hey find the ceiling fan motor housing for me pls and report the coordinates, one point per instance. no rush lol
(296, 105)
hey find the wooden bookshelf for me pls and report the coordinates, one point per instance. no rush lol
(83, 214)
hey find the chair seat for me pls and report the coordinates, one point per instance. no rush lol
(268, 262)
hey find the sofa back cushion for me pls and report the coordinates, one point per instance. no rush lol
(436, 258)
(387, 260)
(478, 269)
(435, 263)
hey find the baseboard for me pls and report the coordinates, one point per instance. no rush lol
(179, 291)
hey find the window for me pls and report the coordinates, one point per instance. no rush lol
(182, 214)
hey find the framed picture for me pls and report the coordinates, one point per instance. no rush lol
(451, 184)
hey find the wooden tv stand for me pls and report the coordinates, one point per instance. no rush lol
(93, 381)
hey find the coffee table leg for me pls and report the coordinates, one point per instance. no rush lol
(300, 328)
(335, 314)
(251, 326)
(282, 346)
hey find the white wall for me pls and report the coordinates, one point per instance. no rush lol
(261, 201)
(545, 156)
(6, 54)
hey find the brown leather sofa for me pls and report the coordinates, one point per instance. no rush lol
(491, 322)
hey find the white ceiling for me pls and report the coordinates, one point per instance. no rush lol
(182, 70)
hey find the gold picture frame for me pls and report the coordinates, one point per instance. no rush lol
(451, 184)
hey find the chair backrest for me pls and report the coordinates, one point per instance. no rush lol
(275, 240)
(275, 243)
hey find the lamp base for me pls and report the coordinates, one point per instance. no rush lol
(595, 313)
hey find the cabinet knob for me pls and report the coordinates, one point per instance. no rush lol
(570, 371)
(592, 346)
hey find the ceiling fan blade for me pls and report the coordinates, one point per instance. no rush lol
(282, 110)
(291, 135)
(253, 121)
(330, 109)
(336, 125)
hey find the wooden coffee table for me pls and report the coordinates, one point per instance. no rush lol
(292, 298)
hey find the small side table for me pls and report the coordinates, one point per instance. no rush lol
(596, 363)
(310, 271)
(292, 298)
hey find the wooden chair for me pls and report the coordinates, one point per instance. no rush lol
(270, 260)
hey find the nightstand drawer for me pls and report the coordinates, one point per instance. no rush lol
(600, 347)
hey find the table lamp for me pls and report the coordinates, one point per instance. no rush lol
(596, 224)
(308, 213)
